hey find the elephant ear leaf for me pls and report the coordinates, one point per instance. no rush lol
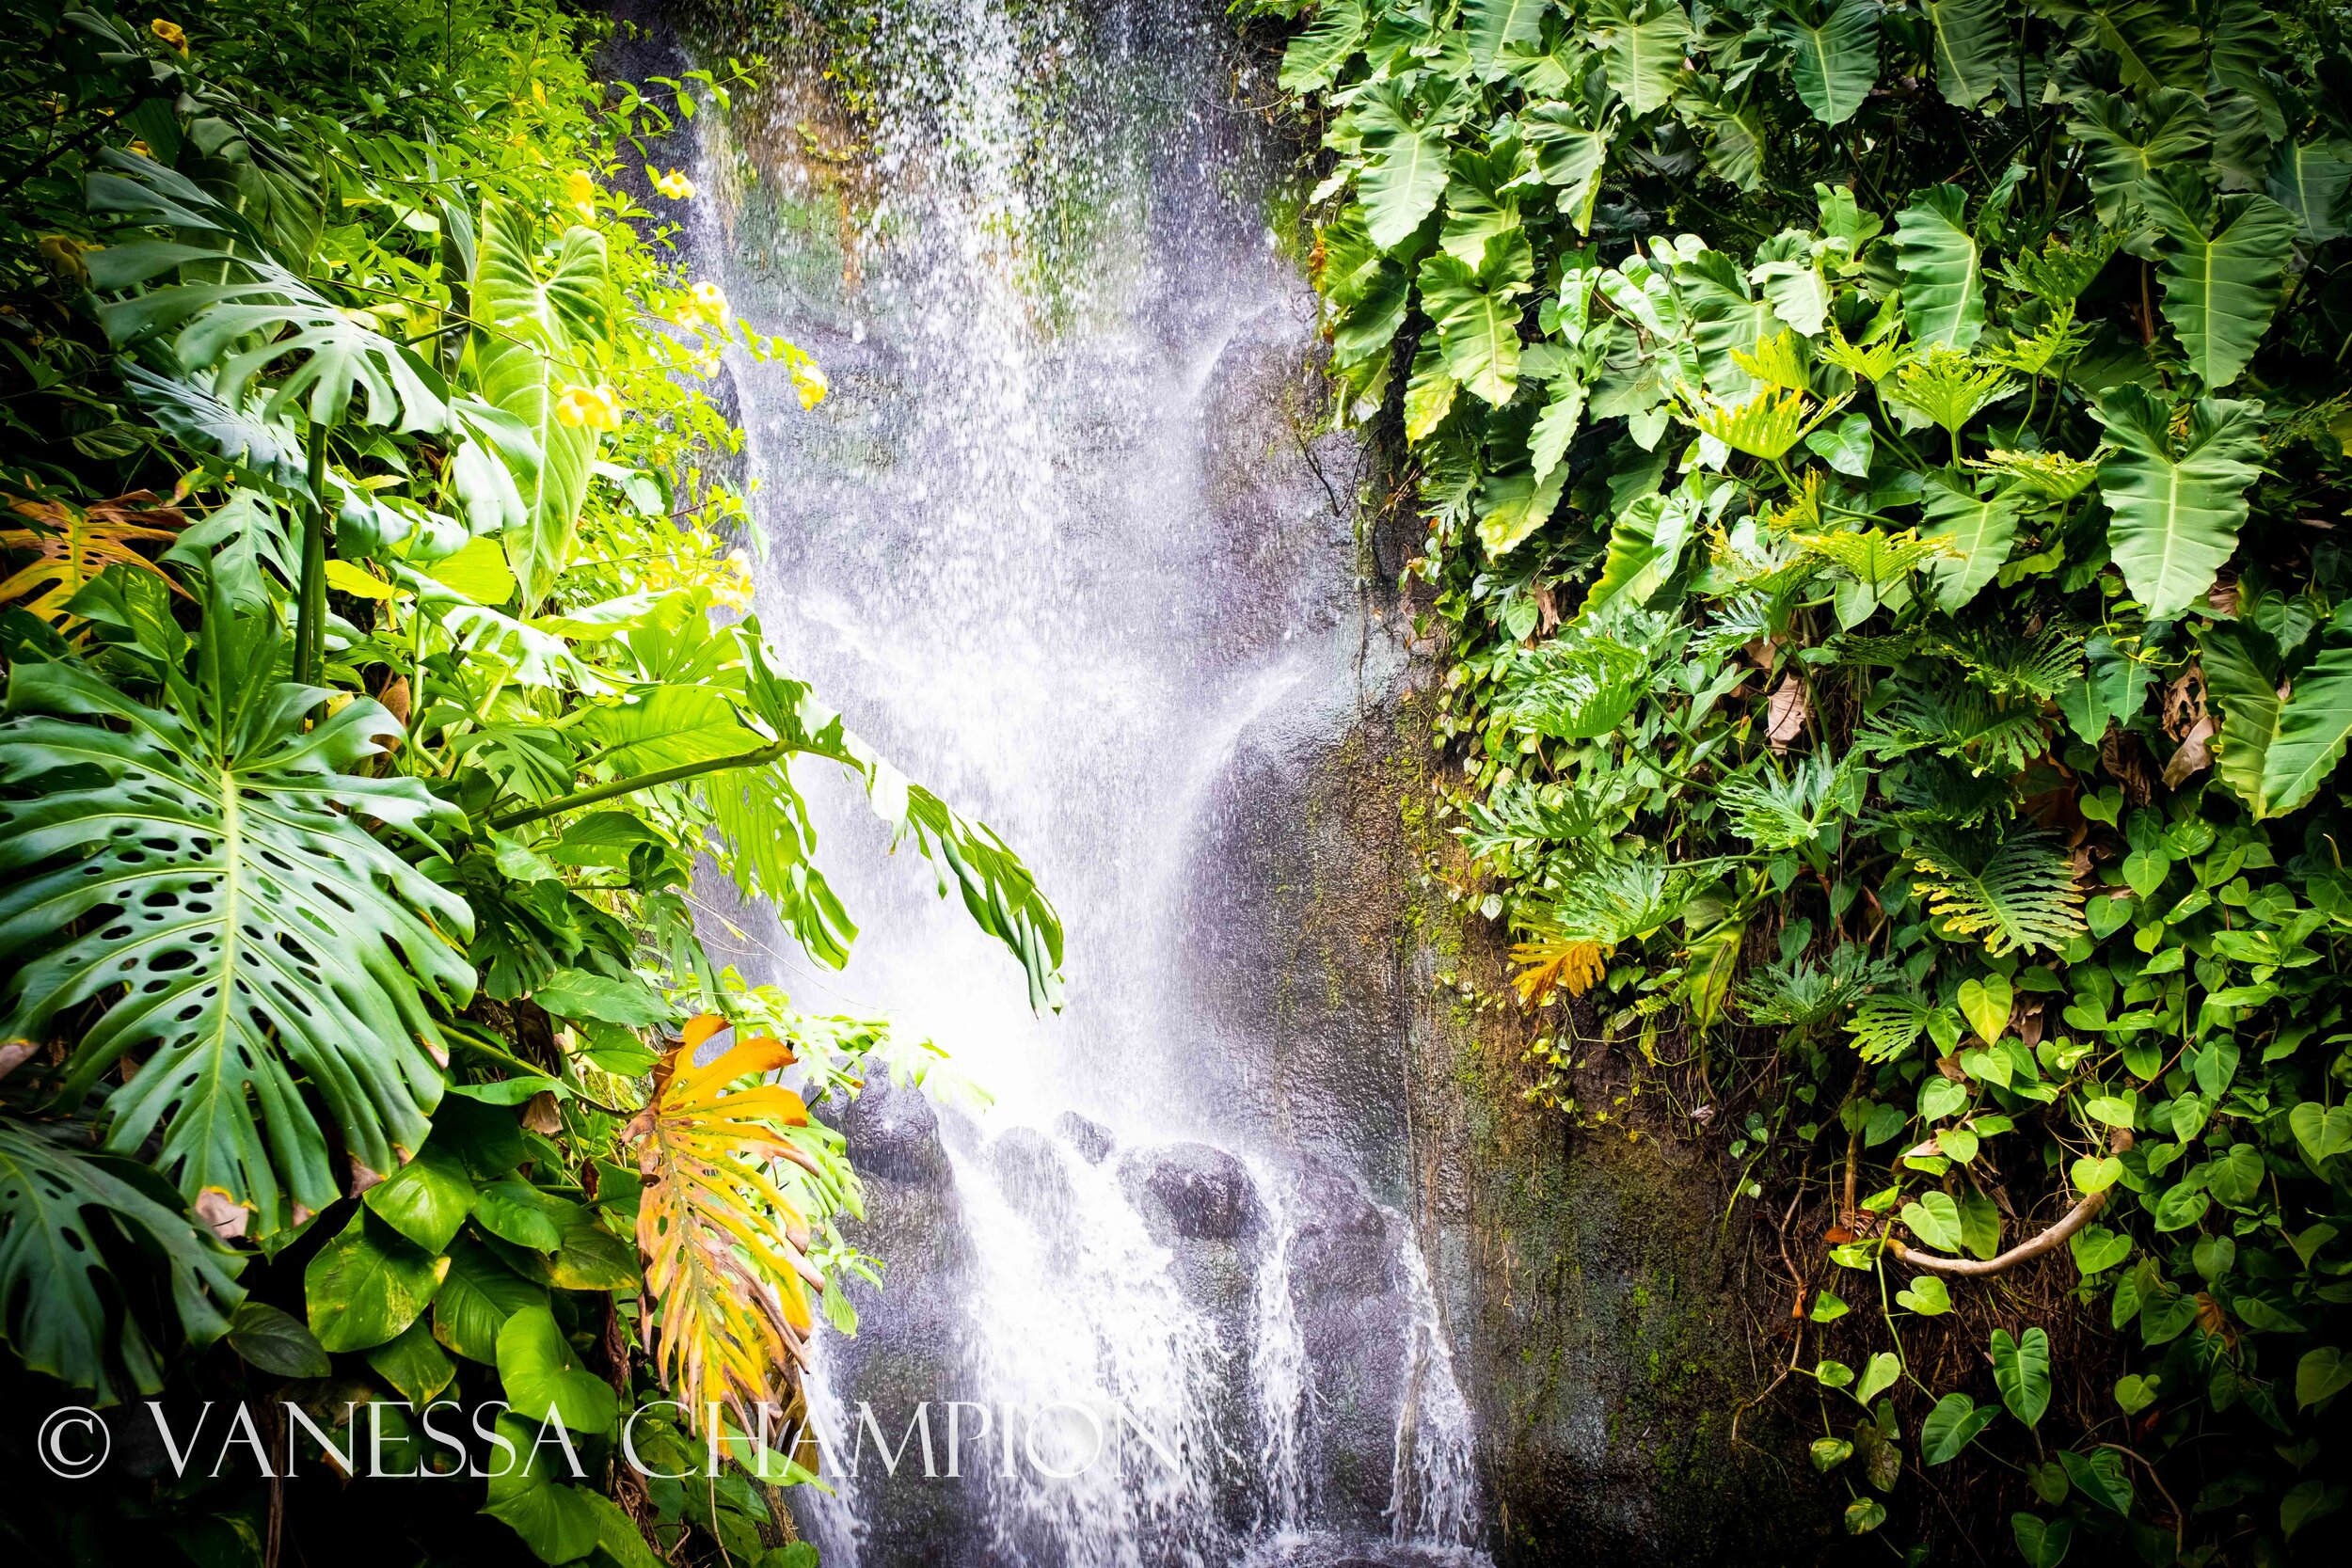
(2314, 722)
(2177, 506)
(2241, 665)
(543, 320)
(1643, 54)
(1835, 62)
(1943, 294)
(1971, 45)
(200, 876)
(1493, 23)
(2224, 264)
(53, 1202)
(1315, 55)
(727, 1275)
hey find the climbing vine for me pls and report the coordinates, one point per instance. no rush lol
(1883, 466)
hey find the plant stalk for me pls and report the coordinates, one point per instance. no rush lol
(619, 788)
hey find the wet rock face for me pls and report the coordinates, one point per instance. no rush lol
(1091, 1139)
(893, 1134)
(1355, 1319)
(1194, 1192)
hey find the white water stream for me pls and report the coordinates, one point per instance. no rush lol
(1042, 549)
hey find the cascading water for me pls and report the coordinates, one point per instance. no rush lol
(1060, 543)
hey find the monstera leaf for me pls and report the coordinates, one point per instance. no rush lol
(543, 319)
(200, 874)
(2178, 506)
(727, 1275)
(1943, 294)
(232, 330)
(1834, 61)
(2224, 264)
(54, 1204)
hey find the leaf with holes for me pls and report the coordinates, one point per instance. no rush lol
(201, 873)
(57, 1205)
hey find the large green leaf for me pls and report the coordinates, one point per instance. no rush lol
(2021, 1370)
(2310, 180)
(1478, 315)
(2177, 505)
(1401, 186)
(544, 1379)
(1981, 529)
(202, 877)
(56, 1204)
(1943, 294)
(2241, 666)
(1970, 41)
(2156, 42)
(367, 1284)
(1835, 61)
(1315, 55)
(2126, 141)
(1644, 48)
(2314, 721)
(2016, 891)
(2224, 262)
(1492, 24)
(666, 726)
(542, 319)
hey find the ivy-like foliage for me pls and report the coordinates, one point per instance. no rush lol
(1882, 464)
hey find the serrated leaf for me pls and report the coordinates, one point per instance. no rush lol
(2018, 892)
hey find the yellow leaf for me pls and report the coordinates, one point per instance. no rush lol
(1576, 966)
(72, 546)
(345, 578)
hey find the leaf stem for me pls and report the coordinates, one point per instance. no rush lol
(619, 788)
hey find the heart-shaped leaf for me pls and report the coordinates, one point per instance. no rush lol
(1952, 1426)
(1985, 1003)
(2021, 1370)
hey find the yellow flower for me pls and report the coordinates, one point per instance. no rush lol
(597, 407)
(580, 192)
(704, 305)
(169, 32)
(140, 146)
(675, 186)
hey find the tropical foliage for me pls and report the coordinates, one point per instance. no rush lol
(1882, 464)
(378, 672)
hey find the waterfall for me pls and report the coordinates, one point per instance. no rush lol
(1064, 545)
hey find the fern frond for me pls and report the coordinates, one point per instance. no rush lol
(1887, 1025)
(1934, 791)
(1876, 560)
(2009, 664)
(1800, 993)
(2018, 892)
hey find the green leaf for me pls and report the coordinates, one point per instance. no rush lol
(1986, 1002)
(1925, 1295)
(413, 1364)
(1836, 62)
(1830, 1452)
(1315, 55)
(1952, 1426)
(556, 1520)
(58, 1303)
(2042, 1543)
(2241, 665)
(1644, 58)
(1492, 24)
(543, 1377)
(2021, 1370)
(2100, 1477)
(2323, 1131)
(428, 1199)
(2313, 724)
(367, 1284)
(2134, 1393)
(2224, 264)
(2019, 893)
(1570, 155)
(580, 993)
(1943, 294)
(2307, 1500)
(541, 316)
(1477, 318)
(476, 1298)
(1827, 1307)
(273, 934)
(2310, 182)
(1878, 1376)
(2153, 40)
(1935, 1220)
(1970, 42)
(275, 1341)
(514, 1210)
(1847, 449)
(2126, 141)
(1401, 186)
(2321, 1375)
(2181, 1206)
(2177, 506)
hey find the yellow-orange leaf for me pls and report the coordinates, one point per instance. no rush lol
(1576, 966)
(71, 546)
